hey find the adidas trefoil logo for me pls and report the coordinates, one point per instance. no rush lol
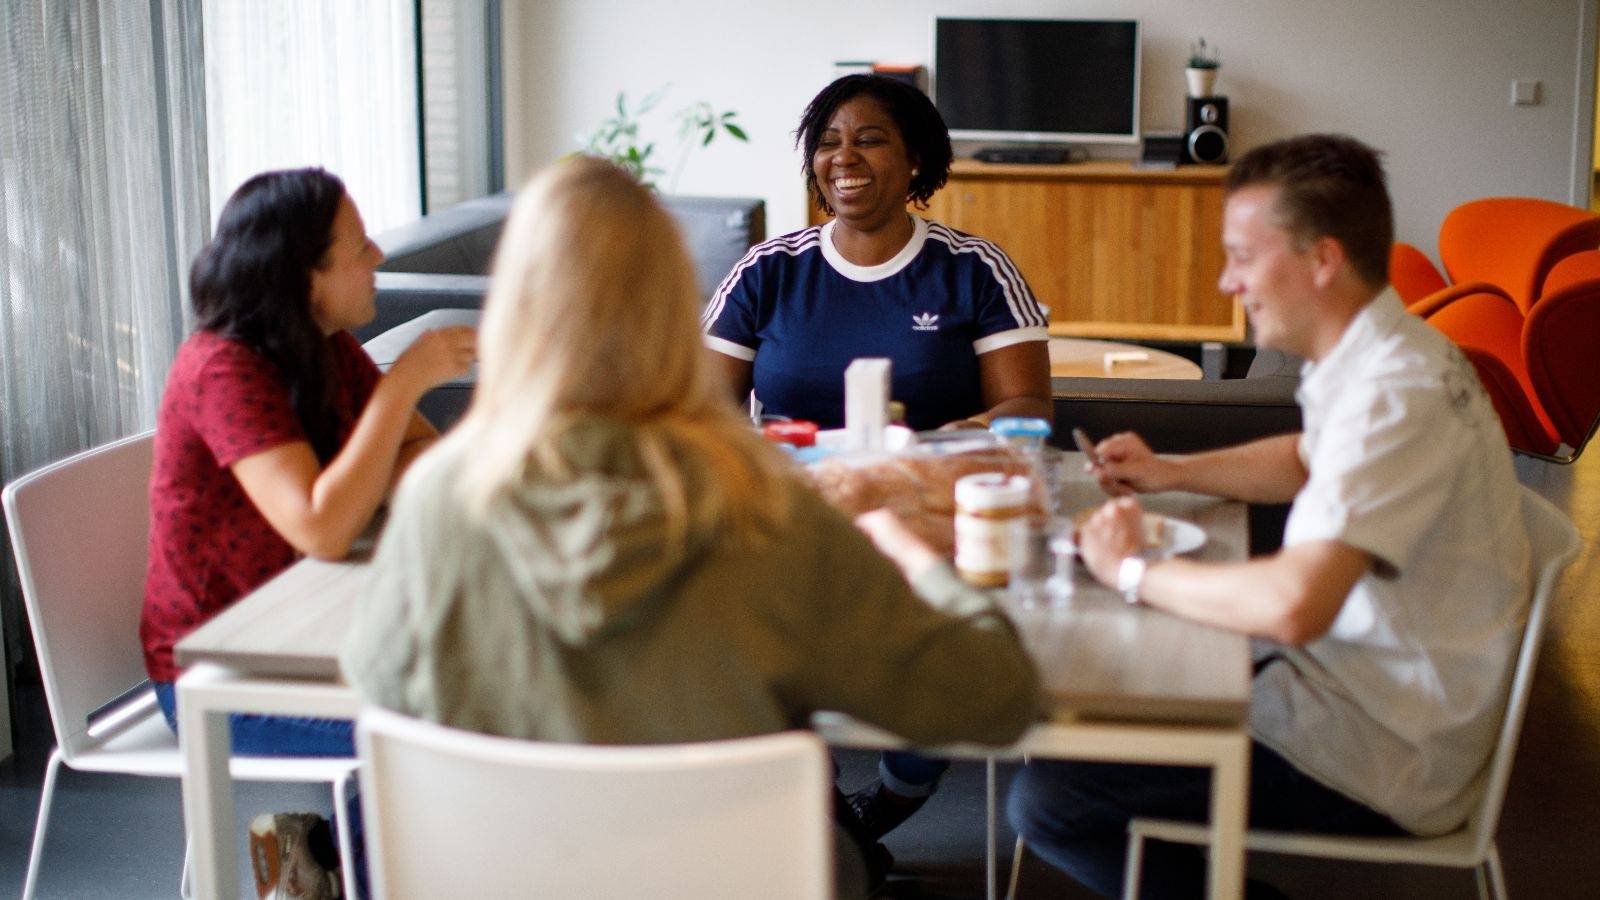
(925, 322)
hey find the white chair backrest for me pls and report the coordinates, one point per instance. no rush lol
(450, 813)
(79, 531)
(1553, 543)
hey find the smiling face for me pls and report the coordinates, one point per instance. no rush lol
(343, 282)
(862, 165)
(1274, 278)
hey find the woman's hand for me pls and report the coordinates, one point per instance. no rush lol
(1113, 533)
(894, 540)
(1127, 465)
(436, 357)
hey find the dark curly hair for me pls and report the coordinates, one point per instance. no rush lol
(252, 284)
(921, 127)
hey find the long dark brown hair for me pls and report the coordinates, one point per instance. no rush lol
(252, 284)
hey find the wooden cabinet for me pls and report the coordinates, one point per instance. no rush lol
(1113, 250)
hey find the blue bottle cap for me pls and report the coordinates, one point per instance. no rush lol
(1020, 427)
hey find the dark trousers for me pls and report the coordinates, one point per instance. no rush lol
(1075, 816)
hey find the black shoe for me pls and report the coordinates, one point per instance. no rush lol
(879, 863)
(880, 810)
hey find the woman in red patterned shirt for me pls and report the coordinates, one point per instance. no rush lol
(277, 436)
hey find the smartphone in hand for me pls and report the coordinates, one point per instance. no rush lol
(1085, 445)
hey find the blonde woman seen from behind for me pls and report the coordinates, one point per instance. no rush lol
(592, 311)
(604, 552)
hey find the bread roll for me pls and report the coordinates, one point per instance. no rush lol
(918, 488)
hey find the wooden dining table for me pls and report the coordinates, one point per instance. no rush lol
(1094, 358)
(1123, 682)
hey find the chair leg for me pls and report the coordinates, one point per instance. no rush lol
(185, 885)
(1016, 868)
(46, 797)
(989, 839)
(1016, 859)
(1491, 880)
(347, 856)
(1132, 866)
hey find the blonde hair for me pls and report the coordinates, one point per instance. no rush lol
(593, 310)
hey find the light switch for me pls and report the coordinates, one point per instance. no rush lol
(1525, 92)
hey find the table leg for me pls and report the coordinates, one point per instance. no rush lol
(1230, 791)
(207, 784)
(1226, 751)
(989, 887)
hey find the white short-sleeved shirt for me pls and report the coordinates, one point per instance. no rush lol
(1399, 704)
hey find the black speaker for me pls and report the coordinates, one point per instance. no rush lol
(1205, 130)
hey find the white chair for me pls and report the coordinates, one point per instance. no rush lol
(78, 531)
(1555, 543)
(450, 813)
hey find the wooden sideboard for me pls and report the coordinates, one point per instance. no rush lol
(1115, 251)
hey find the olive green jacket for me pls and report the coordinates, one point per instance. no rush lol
(564, 615)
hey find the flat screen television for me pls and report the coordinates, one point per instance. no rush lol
(1040, 80)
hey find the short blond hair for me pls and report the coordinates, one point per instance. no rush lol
(593, 310)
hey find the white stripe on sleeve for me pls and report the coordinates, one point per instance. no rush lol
(1007, 338)
(737, 351)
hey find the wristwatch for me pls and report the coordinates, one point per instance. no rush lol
(1129, 576)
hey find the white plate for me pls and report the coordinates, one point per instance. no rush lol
(1180, 536)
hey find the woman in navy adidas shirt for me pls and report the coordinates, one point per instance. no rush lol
(966, 336)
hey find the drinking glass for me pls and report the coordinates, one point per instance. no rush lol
(1034, 574)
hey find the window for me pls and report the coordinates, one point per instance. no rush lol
(310, 82)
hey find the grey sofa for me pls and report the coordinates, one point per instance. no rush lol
(442, 260)
(1183, 416)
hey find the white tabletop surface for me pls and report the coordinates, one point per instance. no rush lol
(1098, 656)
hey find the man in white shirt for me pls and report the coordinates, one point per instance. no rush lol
(1387, 625)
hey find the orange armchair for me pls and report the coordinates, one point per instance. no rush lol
(1580, 266)
(1559, 342)
(1539, 370)
(1518, 418)
(1488, 329)
(1505, 245)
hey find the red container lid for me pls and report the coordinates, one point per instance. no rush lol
(799, 433)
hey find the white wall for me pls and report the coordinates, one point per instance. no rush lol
(1427, 81)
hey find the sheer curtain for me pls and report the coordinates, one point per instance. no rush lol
(103, 202)
(316, 82)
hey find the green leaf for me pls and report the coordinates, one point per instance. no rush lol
(736, 131)
(709, 135)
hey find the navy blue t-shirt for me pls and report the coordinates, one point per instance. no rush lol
(801, 312)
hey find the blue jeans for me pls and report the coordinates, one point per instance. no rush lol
(273, 735)
(910, 774)
(1075, 816)
(254, 735)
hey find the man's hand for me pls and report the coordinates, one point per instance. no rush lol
(1127, 465)
(1113, 533)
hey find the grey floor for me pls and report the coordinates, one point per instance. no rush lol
(122, 837)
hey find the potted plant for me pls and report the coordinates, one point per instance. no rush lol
(618, 138)
(1202, 71)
